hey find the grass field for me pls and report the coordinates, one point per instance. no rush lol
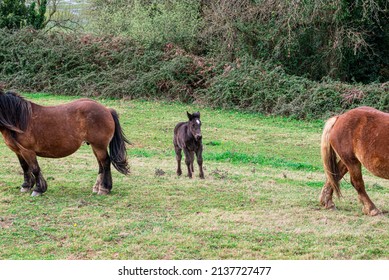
(259, 199)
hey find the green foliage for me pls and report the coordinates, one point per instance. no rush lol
(87, 65)
(149, 22)
(36, 17)
(341, 39)
(15, 14)
(79, 64)
(259, 87)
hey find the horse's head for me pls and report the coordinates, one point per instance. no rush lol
(195, 125)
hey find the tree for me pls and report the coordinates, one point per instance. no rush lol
(16, 14)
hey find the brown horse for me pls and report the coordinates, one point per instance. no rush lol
(31, 130)
(357, 137)
(187, 137)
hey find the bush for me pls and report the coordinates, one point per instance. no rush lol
(86, 65)
(345, 40)
(260, 87)
(81, 64)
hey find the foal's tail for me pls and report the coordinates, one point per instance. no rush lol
(117, 147)
(328, 156)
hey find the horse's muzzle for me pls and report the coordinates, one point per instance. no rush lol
(198, 137)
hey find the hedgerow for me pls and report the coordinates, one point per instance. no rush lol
(114, 66)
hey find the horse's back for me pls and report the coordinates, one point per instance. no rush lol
(179, 134)
(91, 118)
(364, 119)
(179, 126)
(366, 111)
(363, 133)
(79, 114)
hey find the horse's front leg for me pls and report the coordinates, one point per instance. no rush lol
(178, 158)
(40, 183)
(199, 155)
(188, 161)
(29, 180)
(192, 161)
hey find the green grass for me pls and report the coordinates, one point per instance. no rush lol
(259, 199)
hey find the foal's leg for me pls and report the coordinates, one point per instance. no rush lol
(29, 180)
(103, 183)
(192, 160)
(178, 158)
(188, 161)
(199, 155)
(327, 191)
(356, 180)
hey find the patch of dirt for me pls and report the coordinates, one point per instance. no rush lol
(6, 222)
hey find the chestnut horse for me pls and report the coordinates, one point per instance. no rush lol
(31, 130)
(187, 137)
(357, 137)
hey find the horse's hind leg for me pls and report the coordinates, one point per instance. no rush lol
(29, 180)
(103, 183)
(357, 181)
(327, 191)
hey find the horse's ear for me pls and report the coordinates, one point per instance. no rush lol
(189, 115)
(198, 113)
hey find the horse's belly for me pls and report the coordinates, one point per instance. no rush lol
(380, 173)
(60, 151)
(54, 154)
(378, 166)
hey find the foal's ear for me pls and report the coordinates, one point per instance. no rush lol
(189, 115)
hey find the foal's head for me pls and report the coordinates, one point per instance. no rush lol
(195, 125)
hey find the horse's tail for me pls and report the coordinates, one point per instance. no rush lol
(117, 147)
(328, 156)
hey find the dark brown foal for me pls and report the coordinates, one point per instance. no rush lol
(187, 137)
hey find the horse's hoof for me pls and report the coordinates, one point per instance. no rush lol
(95, 189)
(35, 193)
(373, 212)
(24, 190)
(103, 192)
(331, 207)
(328, 204)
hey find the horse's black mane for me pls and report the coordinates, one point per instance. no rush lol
(15, 111)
